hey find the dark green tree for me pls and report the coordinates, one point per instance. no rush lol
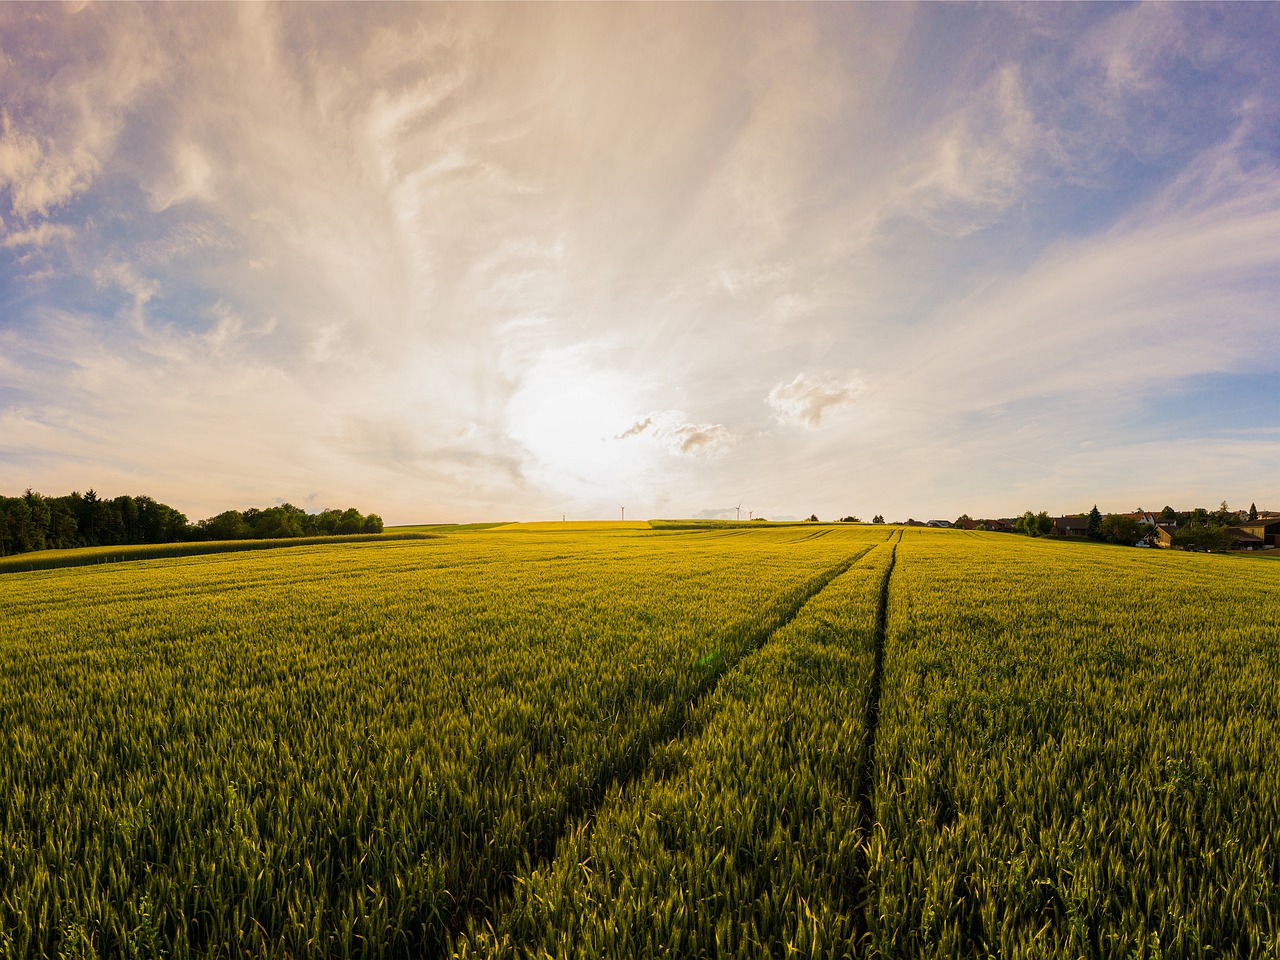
(277, 523)
(160, 523)
(36, 522)
(327, 521)
(1095, 523)
(63, 529)
(41, 515)
(1253, 512)
(228, 525)
(351, 521)
(1034, 524)
(1121, 529)
(87, 516)
(130, 527)
(1203, 536)
(17, 533)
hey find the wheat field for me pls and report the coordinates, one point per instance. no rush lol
(639, 741)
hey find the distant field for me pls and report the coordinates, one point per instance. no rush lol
(575, 526)
(442, 527)
(85, 556)
(608, 740)
(728, 524)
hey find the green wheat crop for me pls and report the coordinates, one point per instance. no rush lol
(343, 750)
(688, 740)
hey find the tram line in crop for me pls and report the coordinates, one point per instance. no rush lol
(756, 794)
(867, 772)
(386, 730)
(682, 720)
(859, 895)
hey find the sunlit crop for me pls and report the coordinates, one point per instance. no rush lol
(620, 741)
(1077, 754)
(345, 750)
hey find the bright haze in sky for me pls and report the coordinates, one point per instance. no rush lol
(512, 262)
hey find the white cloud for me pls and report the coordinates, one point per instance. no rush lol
(190, 177)
(978, 162)
(674, 432)
(40, 235)
(807, 398)
(1131, 47)
(186, 239)
(41, 179)
(1185, 286)
(125, 277)
(740, 281)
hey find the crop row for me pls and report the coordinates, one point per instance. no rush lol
(1077, 754)
(1071, 752)
(744, 838)
(347, 750)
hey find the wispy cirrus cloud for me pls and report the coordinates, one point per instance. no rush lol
(38, 236)
(473, 256)
(979, 161)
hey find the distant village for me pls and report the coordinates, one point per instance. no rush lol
(1198, 529)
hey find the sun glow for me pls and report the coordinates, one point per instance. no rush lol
(570, 419)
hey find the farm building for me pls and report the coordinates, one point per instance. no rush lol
(1266, 530)
(1142, 516)
(1244, 540)
(1071, 526)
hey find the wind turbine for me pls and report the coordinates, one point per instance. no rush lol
(739, 509)
(624, 511)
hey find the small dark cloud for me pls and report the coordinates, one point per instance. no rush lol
(671, 429)
(636, 428)
(705, 438)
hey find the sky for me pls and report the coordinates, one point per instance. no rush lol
(519, 262)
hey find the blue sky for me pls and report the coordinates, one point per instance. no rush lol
(466, 262)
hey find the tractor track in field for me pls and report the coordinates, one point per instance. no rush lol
(679, 722)
(866, 778)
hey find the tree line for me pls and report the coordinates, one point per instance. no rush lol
(1196, 529)
(36, 522)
